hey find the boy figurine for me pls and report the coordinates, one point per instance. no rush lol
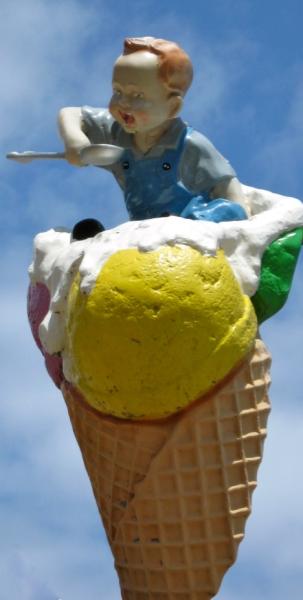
(167, 167)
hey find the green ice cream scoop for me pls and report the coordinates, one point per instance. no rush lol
(277, 271)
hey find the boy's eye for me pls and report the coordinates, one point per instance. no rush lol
(117, 93)
(138, 95)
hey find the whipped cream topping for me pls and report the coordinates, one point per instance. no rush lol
(57, 259)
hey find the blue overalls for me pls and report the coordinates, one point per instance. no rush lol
(153, 189)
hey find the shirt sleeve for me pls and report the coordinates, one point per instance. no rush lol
(202, 167)
(98, 125)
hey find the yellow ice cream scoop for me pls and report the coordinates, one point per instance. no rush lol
(158, 330)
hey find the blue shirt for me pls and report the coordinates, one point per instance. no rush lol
(183, 166)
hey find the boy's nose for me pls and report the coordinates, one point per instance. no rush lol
(125, 101)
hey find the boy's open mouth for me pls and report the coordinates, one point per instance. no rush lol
(127, 118)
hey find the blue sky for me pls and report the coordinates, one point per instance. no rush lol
(247, 97)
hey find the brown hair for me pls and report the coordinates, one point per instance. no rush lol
(175, 67)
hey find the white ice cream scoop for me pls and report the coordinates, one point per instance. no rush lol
(101, 155)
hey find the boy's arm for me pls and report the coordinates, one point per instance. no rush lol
(71, 127)
(203, 168)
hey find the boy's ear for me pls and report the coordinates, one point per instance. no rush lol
(175, 105)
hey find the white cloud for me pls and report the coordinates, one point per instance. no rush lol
(280, 156)
(45, 60)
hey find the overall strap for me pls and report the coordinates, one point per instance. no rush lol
(173, 155)
(180, 146)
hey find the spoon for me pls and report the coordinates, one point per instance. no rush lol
(101, 155)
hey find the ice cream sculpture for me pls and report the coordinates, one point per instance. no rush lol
(151, 332)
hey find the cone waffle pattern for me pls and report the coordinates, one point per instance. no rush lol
(174, 496)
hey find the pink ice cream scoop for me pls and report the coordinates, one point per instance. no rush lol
(38, 300)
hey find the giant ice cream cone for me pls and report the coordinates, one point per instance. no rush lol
(174, 495)
(150, 332)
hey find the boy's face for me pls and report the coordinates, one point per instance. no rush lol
(140, 100)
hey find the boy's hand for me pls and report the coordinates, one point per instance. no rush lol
(72, 155)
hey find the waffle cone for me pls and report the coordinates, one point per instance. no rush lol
(174, 495)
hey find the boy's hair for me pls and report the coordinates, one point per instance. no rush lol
(175, 67)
